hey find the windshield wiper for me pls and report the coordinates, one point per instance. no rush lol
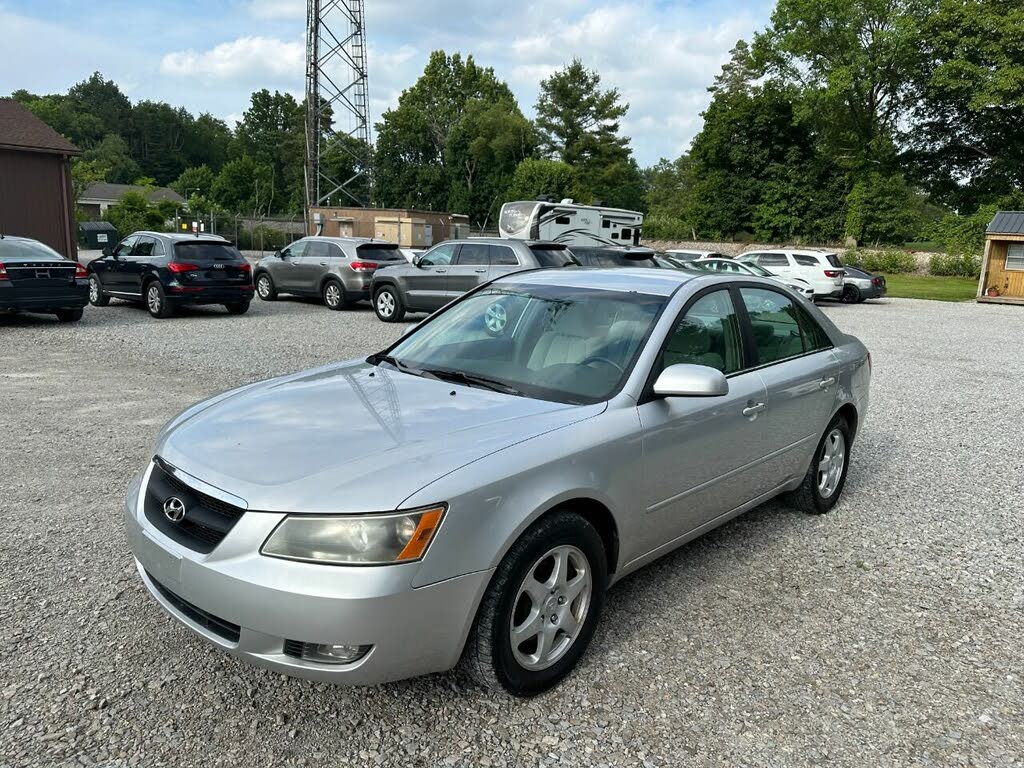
(471, 379)
(379, 357)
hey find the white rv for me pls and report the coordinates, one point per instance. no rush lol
(570, 223)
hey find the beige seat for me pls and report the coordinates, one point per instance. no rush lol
(573, 337)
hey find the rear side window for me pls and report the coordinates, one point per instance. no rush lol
(473, 254)
(773, 260)
(207, 252)
(143, 247)
(553, 256)
(503, 256)
(380, 252)
(814, 335)
(775, 322)
(806, 261)
(317, 249)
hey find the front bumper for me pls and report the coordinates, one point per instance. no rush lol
(412, 631)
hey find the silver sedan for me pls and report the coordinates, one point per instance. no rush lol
(468, 495)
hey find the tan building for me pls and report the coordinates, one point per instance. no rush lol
(1002, 269)
(407, 227)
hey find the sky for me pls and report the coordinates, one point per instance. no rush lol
(209, 56)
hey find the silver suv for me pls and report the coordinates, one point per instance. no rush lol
(454, 267)
(337, 269)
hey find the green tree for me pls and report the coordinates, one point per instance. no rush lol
(967, 132)
(245, 186)
(579, 123)
(133, 212)
(430, 127)
(194, 181)
(104, 100)
(65, 116)
(272, 133)
(157, 139)
(207, 141)
(535, 178)
(84, 173)
(113, 157)
(880, 210)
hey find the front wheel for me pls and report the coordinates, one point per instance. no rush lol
(265, 287)
(826, 477)
(388, 305)
(541, 609)
(96, 296)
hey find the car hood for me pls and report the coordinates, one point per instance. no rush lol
(349, 438)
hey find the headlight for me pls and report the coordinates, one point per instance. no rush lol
(355, 539)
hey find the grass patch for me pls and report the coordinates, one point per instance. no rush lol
(931, 287)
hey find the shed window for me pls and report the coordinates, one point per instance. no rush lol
(1015, 256)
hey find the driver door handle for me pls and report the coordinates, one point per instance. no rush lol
(480, 271)
(753, 408)
(323, 263)
(826, 383)
(441, 270)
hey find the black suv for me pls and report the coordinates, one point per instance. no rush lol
(167, 271)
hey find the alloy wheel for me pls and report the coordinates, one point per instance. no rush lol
(831, 464)
(263, 286)
(332, 295)
(385, 304)
(94, 290)
(153, 299)
(495, 319)
(551, 607)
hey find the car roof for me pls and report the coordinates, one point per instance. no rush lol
(349, 240)
(794, 251)
(178, 236)
(658, 282)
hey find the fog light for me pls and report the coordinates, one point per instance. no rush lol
(336, 654)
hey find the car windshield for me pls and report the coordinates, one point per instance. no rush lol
(560, 343)
(757, 269)
(200, 252)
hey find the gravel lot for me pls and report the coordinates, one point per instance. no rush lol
(887, 633)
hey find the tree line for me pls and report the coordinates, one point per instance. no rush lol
(884, 121)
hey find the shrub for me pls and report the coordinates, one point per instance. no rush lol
(662, 227)
(890, 262)
(954, 265)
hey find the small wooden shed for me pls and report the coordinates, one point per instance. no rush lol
(1002, 269)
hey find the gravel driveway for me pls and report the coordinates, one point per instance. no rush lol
(887, 633)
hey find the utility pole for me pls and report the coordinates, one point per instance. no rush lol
(336, 85)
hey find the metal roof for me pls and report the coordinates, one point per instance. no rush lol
(1007, 223)
(20, 129)
(96, 226)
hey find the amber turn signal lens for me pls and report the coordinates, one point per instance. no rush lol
(423, 534)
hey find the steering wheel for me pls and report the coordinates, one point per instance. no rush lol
(605, 360)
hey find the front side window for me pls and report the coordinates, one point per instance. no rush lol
(1015, 256)
(126, 245)
(440, 256)
(293, 251)
(707, 334)
(572, 345)
(776, 326)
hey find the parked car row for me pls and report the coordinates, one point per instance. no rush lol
(165, 272)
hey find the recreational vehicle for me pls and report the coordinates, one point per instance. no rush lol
(570, 223)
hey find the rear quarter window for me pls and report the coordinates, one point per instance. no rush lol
(834, 260)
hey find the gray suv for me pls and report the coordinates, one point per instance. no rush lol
(337, 269)
(454, 267)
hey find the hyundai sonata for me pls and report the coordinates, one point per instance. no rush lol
(470, 493)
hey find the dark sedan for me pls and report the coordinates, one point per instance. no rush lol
(859, 285)
(168, 271)
(35, 278)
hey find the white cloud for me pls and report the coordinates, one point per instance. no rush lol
(247, 59)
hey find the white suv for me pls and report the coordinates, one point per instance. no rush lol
(822, 269)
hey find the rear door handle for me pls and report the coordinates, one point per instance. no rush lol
(826, 383)
(441, 271)
(323, 263)
(753, 408)
(480, 271)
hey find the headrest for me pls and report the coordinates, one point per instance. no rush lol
(690, 337)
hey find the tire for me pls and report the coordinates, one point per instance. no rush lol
(489, 657)
(96, 296)
(265, 287)
(333, 294)
(69, 315)
(388, 305)
(237, 307)
(851, 295)
(156, 300)
(814, 495)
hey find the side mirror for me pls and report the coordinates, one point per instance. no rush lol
(417, 260)
(691, 381)
(107, 251)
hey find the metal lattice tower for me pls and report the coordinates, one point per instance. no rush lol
(336, 83)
